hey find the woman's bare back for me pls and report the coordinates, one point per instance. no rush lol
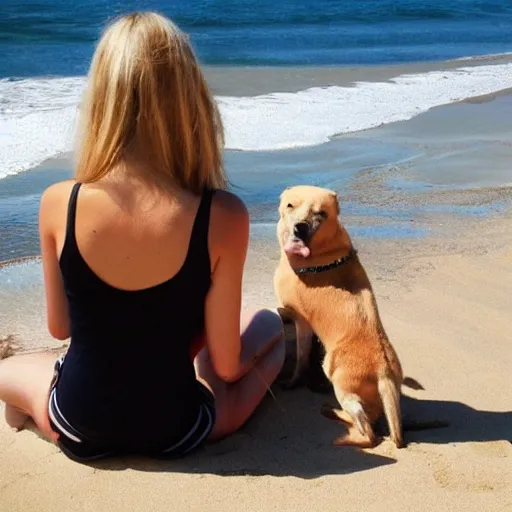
(132, 237)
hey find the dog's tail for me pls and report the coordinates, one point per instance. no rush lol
(390, 395)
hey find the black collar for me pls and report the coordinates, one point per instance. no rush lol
(323, 268)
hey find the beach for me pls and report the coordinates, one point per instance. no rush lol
(392, 105)
(444, 304)
(427, 203)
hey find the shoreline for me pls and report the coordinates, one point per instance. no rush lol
(392, 180)
(278, 102)
(258, 80)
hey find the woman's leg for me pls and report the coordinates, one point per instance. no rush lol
(262, 336)
(24, 387)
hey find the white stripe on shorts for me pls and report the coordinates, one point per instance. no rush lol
(58, 424)
(206, 431)
(192, 431)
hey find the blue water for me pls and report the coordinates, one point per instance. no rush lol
(56, 37)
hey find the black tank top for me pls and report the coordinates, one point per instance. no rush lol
(128, 375)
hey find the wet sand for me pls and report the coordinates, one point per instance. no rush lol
(249, 81)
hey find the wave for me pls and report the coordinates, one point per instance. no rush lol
(38, 116)
(311, 117)
(234, 15)
(326, 13)
(37, 120)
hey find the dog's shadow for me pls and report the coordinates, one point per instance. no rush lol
(464, 424)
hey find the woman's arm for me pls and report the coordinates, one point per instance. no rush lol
(51, 209)
(229, 235)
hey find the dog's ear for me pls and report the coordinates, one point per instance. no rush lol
(334, 195)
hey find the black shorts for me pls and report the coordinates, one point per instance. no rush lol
(81, 449)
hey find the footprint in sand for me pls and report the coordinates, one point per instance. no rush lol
(7, 346)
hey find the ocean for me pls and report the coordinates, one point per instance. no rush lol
(46, 46)
(56, 37)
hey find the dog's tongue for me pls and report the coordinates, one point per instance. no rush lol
(297, 247)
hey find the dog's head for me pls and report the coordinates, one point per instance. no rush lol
(308, 219)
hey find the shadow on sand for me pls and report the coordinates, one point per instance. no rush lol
(465, 423)
(289, 437)
(286, 437)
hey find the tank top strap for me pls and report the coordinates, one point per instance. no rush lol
(200, 230)
(71, 218)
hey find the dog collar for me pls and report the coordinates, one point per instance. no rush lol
(329, 266)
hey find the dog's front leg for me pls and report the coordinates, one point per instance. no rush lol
(304, 335)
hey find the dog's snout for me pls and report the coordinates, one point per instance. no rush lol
(301, 230)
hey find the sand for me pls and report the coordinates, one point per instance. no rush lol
(446, 308)
(253, 80)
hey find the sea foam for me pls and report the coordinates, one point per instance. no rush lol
(38, 116)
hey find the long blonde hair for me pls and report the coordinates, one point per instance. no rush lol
(147, 94)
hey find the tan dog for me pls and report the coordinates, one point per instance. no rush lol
(323, 287)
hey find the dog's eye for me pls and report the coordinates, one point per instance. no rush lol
(289, 205)
(322, 214)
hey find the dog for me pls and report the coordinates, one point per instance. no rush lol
(321, 285)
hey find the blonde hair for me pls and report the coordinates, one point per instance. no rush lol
(147, 94)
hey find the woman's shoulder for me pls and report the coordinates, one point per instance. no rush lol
(54, 205)
(56, 197)
(229, 219)
(57, 192)
(229, 207)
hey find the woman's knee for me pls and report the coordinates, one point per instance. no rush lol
(273, 320)
(262, 323)
(25, 381)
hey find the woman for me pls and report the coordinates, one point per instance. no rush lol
(143, 258)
